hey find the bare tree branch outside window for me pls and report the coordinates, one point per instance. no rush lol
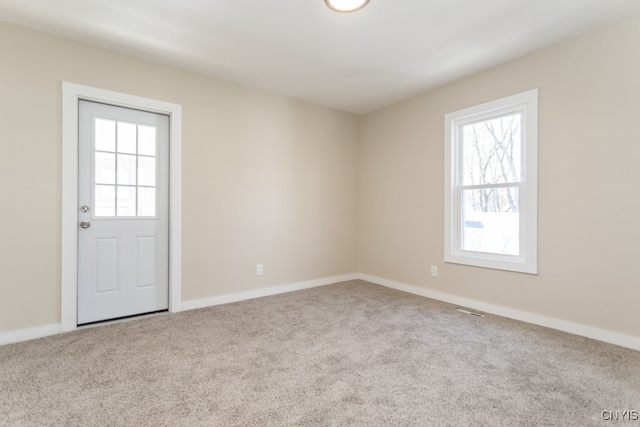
(491, 151)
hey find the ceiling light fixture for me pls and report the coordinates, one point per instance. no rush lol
(345, 6)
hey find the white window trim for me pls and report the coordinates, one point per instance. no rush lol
(71, 94)
(527, 261)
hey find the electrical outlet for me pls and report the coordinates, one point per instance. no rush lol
(434, 270)
(259, 270)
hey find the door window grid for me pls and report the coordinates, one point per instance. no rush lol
(124, 169)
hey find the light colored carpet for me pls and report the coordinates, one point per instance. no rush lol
(347, 354)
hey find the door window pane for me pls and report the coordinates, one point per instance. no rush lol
(105, 168)
(146, 140)
(146, 201)
(491, 220)
(146, 171)
(105, 200)
(105, 131)
(126, 138)
(126, 201)
(126, 169)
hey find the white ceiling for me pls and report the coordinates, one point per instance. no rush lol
(358, 62)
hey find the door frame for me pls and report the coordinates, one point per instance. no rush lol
(71, 94)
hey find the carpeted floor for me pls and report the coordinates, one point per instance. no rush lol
(346, 354)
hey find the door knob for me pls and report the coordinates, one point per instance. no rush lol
(85, 224)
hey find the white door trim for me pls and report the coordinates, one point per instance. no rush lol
(71, 93)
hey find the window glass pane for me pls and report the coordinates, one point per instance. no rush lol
(105, 168)
(126, 201)
(146, 201)
(491, 220)
(105, 200)
(126, 169)
(146, 140)
(147, 171)
(105, 135)
(491, 150)
(126, 138)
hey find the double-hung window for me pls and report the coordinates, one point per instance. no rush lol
(491, 192)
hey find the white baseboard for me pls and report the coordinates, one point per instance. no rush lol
(264, 292)
(29, 334)
(622, 340)
(44, 331)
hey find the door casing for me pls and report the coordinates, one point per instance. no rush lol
(71, 94)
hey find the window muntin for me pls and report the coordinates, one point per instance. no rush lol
(491, 188)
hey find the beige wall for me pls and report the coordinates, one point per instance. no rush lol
(589, 199)
(313, 193)
(266, 179)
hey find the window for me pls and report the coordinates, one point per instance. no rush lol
(125, 169)
(491, 192)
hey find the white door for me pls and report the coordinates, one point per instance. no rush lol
(123, 218)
